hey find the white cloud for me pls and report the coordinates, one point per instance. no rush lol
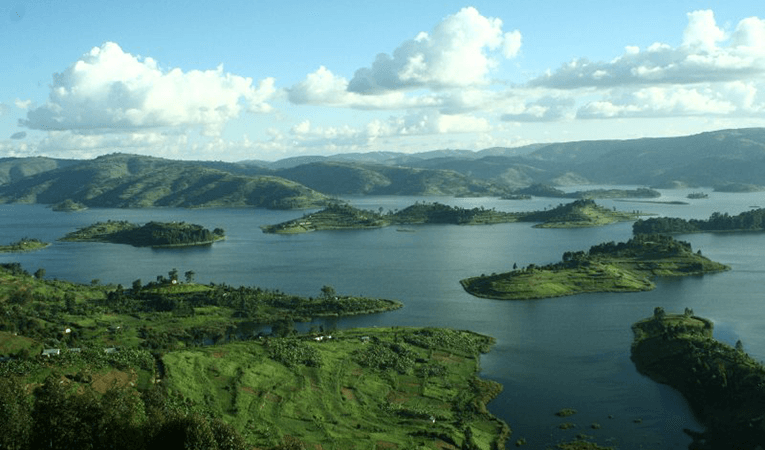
(323, 87)
(460, 51)
(109, 90)
(735, 98)
(23, 104)
(545, 109)
(701, 58)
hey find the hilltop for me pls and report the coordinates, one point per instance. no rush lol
(607, 267)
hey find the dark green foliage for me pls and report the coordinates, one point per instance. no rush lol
(753, 220)
(15, 415)
(293, 352)
(386, 356)
(152, 234)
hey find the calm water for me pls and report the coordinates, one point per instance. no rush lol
(550, 354)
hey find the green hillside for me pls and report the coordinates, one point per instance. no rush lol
(131, 181)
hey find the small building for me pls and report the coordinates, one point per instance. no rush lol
(51, 352)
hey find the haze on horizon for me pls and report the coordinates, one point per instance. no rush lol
(269, 80)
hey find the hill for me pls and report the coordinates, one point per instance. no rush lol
(724, 386)
(351, 178)
(132, 181)
(608, 267)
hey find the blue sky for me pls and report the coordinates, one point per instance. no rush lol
(238, 80)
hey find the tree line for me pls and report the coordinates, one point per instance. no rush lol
(753, 220)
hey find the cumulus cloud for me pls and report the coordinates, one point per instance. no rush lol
(706, 54)
(672, 101)
(546, 109)
(109, 90)
(323, 87)
(460, 51)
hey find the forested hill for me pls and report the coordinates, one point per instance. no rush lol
(753, 220)
(132, 181)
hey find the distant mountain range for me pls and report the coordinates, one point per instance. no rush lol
(722, 158)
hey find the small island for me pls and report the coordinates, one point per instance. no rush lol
(580, 213)
(608, 267)
(152, 234)
(68, 205)
(543, 190)
(23, 245)
(724, 386)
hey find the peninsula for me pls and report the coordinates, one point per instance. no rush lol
(152, 234)
(23, 245)
(724, 386)
(580, 213)
(608, 267)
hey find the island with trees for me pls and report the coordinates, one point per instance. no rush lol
(23, 245)
(608, 267)
(94, 366)
(724, 386)
(339, 216)
(152, 234)
(753, 220)
(68, 205)
(544, 190)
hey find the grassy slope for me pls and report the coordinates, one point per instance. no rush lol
(343, 403)
(595, 273)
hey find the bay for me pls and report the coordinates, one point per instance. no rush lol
(550, 354)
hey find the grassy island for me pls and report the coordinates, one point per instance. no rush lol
(580, 213)
(608, 267)
(358, 388)
(152, 234)
(724, 386)
(23, 245)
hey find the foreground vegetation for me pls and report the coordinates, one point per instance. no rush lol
(89, 358)
(608, 267)
(23, 245)
(152, 234)
(580, 213)
(359, 388)
(753, 220)
(724, 386)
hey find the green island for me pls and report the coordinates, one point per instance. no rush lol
(168, 361)
(543, 190)
(607, 267)
(23, 245)
(152, 234)
(580, 213)
(724, 386)
(68, 205)
(753, 220)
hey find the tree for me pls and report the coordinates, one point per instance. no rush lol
(137, 285)
(40, 273)
(15, 415)
(658, 313)
(740, 346)
(173, 274)
(328, 291)
(189, 276)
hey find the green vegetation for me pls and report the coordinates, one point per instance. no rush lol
(133, 181)
(69, 205)
(608, 267)
(359, 388)
(753, 220)
(580, 213)
(152, 234)
(724, 386)
(738, 187)
(23, 245)
(542, 190)
(160, 315)
(107, 348)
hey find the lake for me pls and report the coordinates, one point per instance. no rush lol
(570, 352)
